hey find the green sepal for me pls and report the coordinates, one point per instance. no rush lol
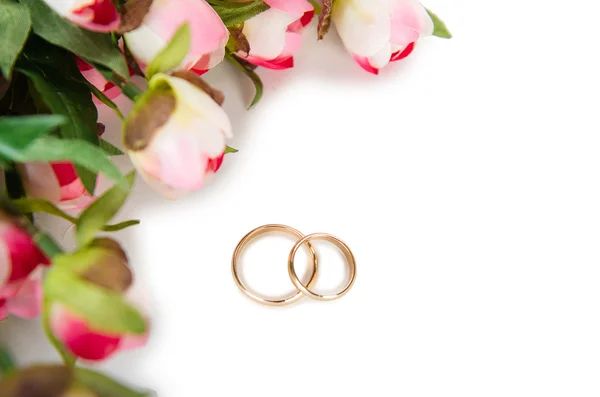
(100, 212)
(30, 206)
(173, 54)
(234, 13)
(439, 27)
(258, 85)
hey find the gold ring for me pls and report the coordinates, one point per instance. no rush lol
(345, 250)
(252, 235)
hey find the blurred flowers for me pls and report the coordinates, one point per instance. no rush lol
(20, 291)
(56, 182)
(106, 269)
(379, 32)
(208, 34)
(96, 15)
(176, 135)
(97, 80)
(275, 35)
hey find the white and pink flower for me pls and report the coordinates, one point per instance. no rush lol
(177, 137)
(209, 35)
(96, 15)
(56, 182)
(275, 35)
(20, 290)
(377, 32)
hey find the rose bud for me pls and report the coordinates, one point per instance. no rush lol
(208, 34)
(20, 291)
(56, 182)
(275, 35)
(96, 15)
(108, 271)
(379, 32)
(176, 134)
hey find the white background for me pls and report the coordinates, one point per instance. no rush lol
(465, 179)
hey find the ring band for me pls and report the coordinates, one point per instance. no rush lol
(269, 229)
(347, 254)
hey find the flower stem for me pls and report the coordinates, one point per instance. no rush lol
(7, 364)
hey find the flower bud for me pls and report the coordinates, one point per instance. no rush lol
(275, 35)
(208, 34)
(110, 271)
(176, 134)
(379, 32)
(96, 15)
(20, 290)
(55, 182)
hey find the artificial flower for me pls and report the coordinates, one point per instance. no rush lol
(109, 271)
(208, 34)
(176, 135)
(96, 15)
(377, 32)
(56, 182)
(275, 35)
(20, 291)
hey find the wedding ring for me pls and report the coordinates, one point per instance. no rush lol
(305, 289)
(270, 229)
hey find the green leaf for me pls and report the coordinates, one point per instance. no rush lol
(79, 152)
(439, 27)
(229, 149)
(173, 54)
(97, 215)
(258, 85)
(109, 148)
(19, 131)
(104, 310)
(91, 46)
(62, 88)
(7, 363)
(104, 386)
(15, 24)
(104, 99)
(29, 206)
(236, 13)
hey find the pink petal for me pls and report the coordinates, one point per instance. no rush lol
(79, 338)
(27, 303)
(291, 6)
(409, 22)
(208, 33)
(25, 256)
(285, 60)
(307, 17)
(364, 63)
(100, 16)
(39, 181)
(404, 53)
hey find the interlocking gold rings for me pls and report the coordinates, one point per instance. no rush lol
(302, 289)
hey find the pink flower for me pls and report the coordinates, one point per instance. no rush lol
(96, 15)
(56, 182)
(377, 32)
(20, 291)
(208, 34)
(86, 342)
(108, 270)
(177, 137)
(97, 80)
(275, 35)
